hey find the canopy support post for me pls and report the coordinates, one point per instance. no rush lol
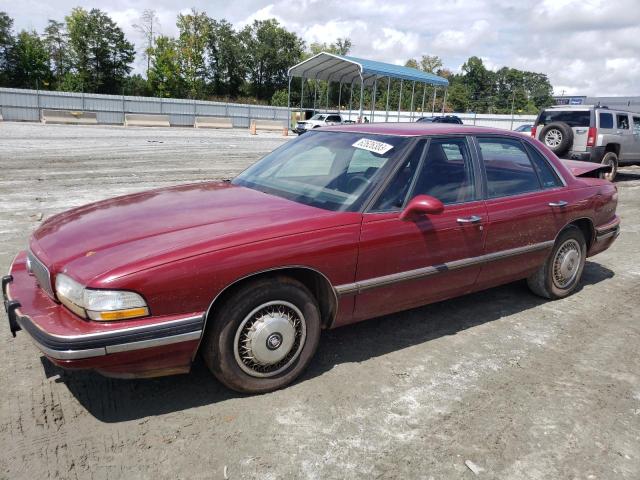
(400, 100)
(386, 112)
(340, 96)
(361, 96)
(373, 101)
(328, 86)
(444, 100)
(351, 99)
(424, 95)
(413, 91)
(433, 105)
(302, 80)
(315, 91)
(289, 104)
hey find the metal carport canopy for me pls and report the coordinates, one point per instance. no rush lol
(344, 69)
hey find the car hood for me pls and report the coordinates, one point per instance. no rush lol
(108, 239)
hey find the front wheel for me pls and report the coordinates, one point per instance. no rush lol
(560, 275)
(263, 336)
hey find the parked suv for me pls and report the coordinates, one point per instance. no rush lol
(318, 120)
(592, 134)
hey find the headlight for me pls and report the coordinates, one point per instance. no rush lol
(100, 305)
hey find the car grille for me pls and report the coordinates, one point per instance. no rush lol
(41, 272)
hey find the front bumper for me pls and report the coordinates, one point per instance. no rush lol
(127, 348)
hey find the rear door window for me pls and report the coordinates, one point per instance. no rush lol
(606, 120)
(573, 118)
(636, 125)
(508, 168)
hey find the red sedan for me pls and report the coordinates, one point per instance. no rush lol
(340, 225)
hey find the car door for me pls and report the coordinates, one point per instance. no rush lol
(406, 263)
(527, 205)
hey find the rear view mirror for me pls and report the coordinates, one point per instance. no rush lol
(422, 205)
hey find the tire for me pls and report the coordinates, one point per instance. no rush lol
(558, 137)
(242, 346)
(611, 159)
(560, 274)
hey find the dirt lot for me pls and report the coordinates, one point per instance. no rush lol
(521, 387)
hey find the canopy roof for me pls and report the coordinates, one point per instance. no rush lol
(340, 68)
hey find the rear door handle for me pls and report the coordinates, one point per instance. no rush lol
(471, 219)
(559, 203)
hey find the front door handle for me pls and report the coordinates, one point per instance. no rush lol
(559, 203)
(471, 219)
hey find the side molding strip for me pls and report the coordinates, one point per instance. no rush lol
(376, 282)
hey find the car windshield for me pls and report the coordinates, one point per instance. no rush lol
(318, 116)
(330, 170)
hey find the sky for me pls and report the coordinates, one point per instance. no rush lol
(586, 47)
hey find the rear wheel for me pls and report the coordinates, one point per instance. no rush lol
(560, 275)
(611, 160)
(263, 336)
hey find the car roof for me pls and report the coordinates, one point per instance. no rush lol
(416, 129)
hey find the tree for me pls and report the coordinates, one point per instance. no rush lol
(270, 51)
(342, 46)
(480, 84)
(6, 42)
(148, 27)
(100, 53)
(430, 63)
(56, 42)
(165, 76)
(194, 30)
(226, 58)
(29, 61)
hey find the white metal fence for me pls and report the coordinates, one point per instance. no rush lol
(27, 105)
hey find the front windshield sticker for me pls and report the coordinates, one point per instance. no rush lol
(373, 146)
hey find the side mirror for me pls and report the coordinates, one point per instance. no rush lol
(422, 205)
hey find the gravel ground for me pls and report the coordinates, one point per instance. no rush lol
(500, 382)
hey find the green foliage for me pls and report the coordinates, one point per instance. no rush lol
(280, 98)
(194, 28)
(28, 61)
(56, 42)
(270, 51)
(165, 75)
(99, 51)
(227, 59)
(6, 42)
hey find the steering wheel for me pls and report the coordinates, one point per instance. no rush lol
(355, 182)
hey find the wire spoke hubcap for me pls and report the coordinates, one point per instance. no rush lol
(553, 138)
(269, 339)
(566, 263)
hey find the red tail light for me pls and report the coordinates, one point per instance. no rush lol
(592, 136)
(533, 131)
